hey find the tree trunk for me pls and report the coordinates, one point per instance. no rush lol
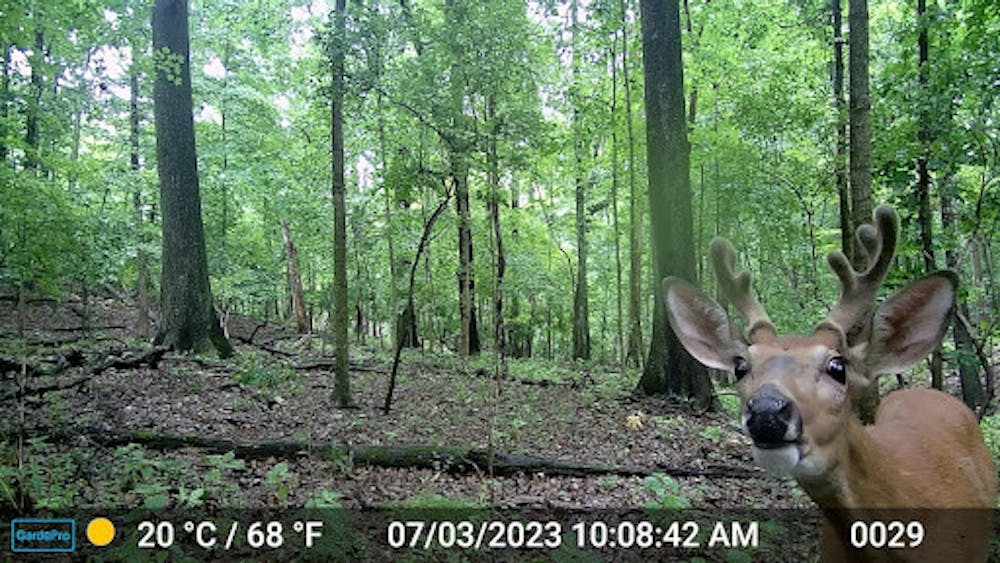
(294, 280)
(633, 352)
(424, 243)
(840, 147)
(860, 121)
(142, 283)
(669, 368)
(188, 320)
(406, 327)
(469, 335)
(972, 388)
(860, 152)
(32, 152)
(581, 313)
(341, 377)
(923, 187)
(390, 247)
(493, 173)
(5, 103)
(619, 348)
(458, 148)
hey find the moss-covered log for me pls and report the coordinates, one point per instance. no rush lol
(454, 460)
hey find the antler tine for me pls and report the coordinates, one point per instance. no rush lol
(858, 289)
(736, 287)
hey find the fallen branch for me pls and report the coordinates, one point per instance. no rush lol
(62, 362)
(150, 356)
(328, 364)
(453, 460)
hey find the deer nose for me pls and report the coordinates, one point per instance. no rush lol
(772, 419)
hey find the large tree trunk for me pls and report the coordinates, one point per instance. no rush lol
(860, 121)
(294, 280)
(669, 368)
(341, 377)
(840, 147)
(188, 319)
(860, 152)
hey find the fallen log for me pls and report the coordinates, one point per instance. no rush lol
(453, 460)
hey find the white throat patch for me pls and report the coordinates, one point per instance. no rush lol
(777, 461)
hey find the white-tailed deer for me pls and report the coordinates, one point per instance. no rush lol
(924, 457)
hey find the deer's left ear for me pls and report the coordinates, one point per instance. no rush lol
(910, 324)
(701, 325)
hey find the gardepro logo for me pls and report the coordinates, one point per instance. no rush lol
(43, 535)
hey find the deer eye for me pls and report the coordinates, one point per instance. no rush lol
(741, 369)
(836, 368)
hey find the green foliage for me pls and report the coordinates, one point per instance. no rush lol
(49, 476)
(730, 401)
(257, 371)
(990, 426)
(436, 501)
(667, 492)
(281, 479)
(711, 432)
(324, 499)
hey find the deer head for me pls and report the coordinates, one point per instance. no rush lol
(799, 392)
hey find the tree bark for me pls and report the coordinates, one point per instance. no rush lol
(860, 152)
(294, 280)
(669, 368)
(188, 320)
(341, 377)
(840, 147)
(633, 353)
(860, 121)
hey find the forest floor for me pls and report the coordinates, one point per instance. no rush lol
(278, 387)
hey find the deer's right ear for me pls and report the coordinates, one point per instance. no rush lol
(701, 325)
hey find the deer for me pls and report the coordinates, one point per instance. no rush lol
(924, 458)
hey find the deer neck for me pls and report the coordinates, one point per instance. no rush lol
(860, 476)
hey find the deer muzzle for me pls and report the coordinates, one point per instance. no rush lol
(771, 419)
